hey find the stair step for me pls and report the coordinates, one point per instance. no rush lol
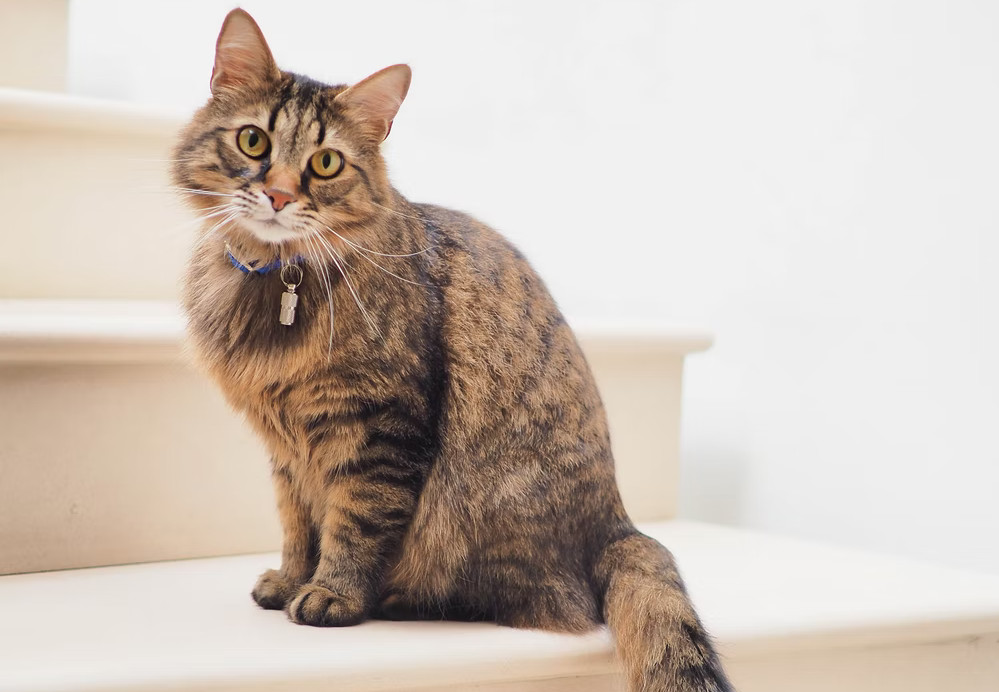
(117, 231)
(118, 451)
(788, 615)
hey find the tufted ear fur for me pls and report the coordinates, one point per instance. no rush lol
(242, 57)
(375, 100)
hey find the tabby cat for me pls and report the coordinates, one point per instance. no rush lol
(438, 444)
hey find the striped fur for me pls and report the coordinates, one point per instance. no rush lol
(452, 458)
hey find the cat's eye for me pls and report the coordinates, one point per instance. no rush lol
(253, 142)
(327, 163)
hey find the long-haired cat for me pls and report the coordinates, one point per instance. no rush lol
(438, 444)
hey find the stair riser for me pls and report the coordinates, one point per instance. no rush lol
(91, 214)
(93, 218)
(34, 43)
(110, 463)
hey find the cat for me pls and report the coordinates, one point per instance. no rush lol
(439, 447)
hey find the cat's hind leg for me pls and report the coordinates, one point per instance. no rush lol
(553, 603)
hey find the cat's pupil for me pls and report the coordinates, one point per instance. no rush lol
(253, 139)
(327, 160)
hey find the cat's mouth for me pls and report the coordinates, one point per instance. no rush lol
(269, 230)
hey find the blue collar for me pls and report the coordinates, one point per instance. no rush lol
(276, 264)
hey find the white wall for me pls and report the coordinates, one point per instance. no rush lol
(815, 181)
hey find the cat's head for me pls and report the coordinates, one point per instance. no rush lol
(274, 156)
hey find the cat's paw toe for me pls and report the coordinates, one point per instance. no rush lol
(320, 607)
(273, 590)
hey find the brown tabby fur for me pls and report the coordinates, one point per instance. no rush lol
(452, 459)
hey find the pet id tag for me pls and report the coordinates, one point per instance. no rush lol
(289, 299)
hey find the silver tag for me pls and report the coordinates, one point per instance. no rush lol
(289, 299)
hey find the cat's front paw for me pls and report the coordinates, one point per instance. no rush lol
(273, 590)
(320, 607)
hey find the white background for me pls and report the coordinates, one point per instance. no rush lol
(814, 181)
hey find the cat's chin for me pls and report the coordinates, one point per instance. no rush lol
(269, 231)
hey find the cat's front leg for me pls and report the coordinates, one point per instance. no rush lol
(275, 588)
(367, 514)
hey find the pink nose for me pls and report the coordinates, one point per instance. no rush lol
(279, 198)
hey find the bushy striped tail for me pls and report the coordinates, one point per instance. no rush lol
(659, 637)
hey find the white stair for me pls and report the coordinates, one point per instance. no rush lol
(789, 617)
(117, 231)
(117, 451)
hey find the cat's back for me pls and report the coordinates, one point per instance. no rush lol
(510, 351)
(472, 251)
(478, 266)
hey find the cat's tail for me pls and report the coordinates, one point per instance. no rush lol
(659, 637)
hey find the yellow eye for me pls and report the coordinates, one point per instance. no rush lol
(327, 163)
(253, 142)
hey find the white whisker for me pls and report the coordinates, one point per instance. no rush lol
(324, 275)
(378, 266)
(375, 252)
(336, 259)
(227, 219)
(202, 192)
(198, 220)
(356, 246)
(145, 160)
(390, 210)
(220, 211)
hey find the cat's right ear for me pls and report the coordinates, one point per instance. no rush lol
(242, 57)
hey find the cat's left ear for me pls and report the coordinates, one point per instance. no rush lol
(374, 101)
(242, 57)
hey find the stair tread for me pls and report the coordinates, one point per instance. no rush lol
(109, 330)
(190, 624)
(29, 109)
